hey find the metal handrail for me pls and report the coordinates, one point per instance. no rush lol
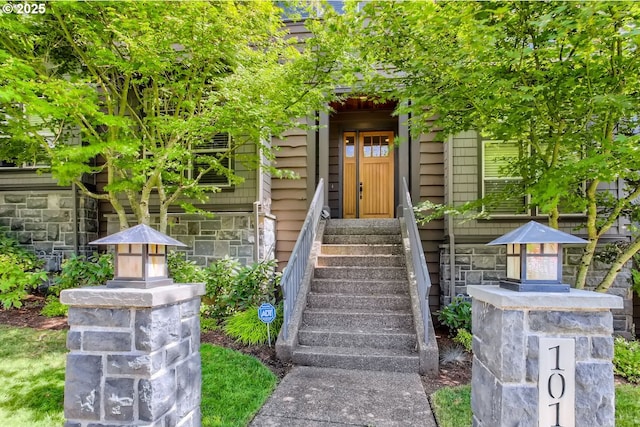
(294, 271)
(417, 254)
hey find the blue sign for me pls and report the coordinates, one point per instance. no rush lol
(266, 313)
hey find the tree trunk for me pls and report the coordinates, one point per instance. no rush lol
(592, 233)
(554, 214)
(120, 211)
(163, 218)
(585, 262)
(617, 265)
(144, 217)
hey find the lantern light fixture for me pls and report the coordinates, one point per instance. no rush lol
(534, 258)
(140, 257)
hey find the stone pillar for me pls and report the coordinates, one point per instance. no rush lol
(134, 356)
(542, 359)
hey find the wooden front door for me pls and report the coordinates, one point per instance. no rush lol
(368, 175)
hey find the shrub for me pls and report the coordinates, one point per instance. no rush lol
(77, 271)
(11, 248)
(456, 315)
(254, 284)
(16, 281)
(247, 328)
(465, 339)
(80, 271)
(232, 287)
(183, 271)
(20, 272)
(626, 359)
(219, 278)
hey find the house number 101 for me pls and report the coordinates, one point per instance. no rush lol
(556, 382)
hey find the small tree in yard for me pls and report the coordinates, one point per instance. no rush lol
(144, 86)
(561, 79)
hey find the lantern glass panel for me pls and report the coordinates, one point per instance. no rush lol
(534, 248)
(130, 266)
(550, 248)
(513, 261)
(136, 249)
(156, 267)
(513, 267)
(542, 268)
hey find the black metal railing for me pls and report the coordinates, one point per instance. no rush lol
(417, 254)
(294, 271)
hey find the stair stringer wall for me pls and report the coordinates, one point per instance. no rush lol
(427, 350)
(285, 348)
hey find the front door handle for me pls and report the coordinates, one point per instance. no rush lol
(360, 191)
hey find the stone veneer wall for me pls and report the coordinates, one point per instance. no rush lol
(506, 335)
(479, 264)
(43, 221)
(267, 237)
(224, 234)
(134, 357)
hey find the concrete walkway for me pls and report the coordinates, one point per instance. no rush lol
(322, 397)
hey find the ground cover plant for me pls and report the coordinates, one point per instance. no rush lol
(247, 328)
(234, 385)
(626, 359)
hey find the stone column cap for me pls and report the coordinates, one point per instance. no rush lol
(575, 300)
(101, 296)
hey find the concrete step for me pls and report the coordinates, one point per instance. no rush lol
(370, 287)
(401, 339)
(362, 250)
(355, 302)
(357, 358)
(362, 226)
(346, 230)
(360, 261)
(361, 273)
(361, 239)
(363, 223)
(357, 319)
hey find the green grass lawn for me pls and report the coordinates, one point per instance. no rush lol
(452, 406)
(31, 377)
(234, 386)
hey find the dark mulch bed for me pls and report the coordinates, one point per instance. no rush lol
(451, 373)
(28, 315)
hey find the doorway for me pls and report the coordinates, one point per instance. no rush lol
(368, 174)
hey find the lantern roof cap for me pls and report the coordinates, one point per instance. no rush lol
(534, 232)
(140, 234)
